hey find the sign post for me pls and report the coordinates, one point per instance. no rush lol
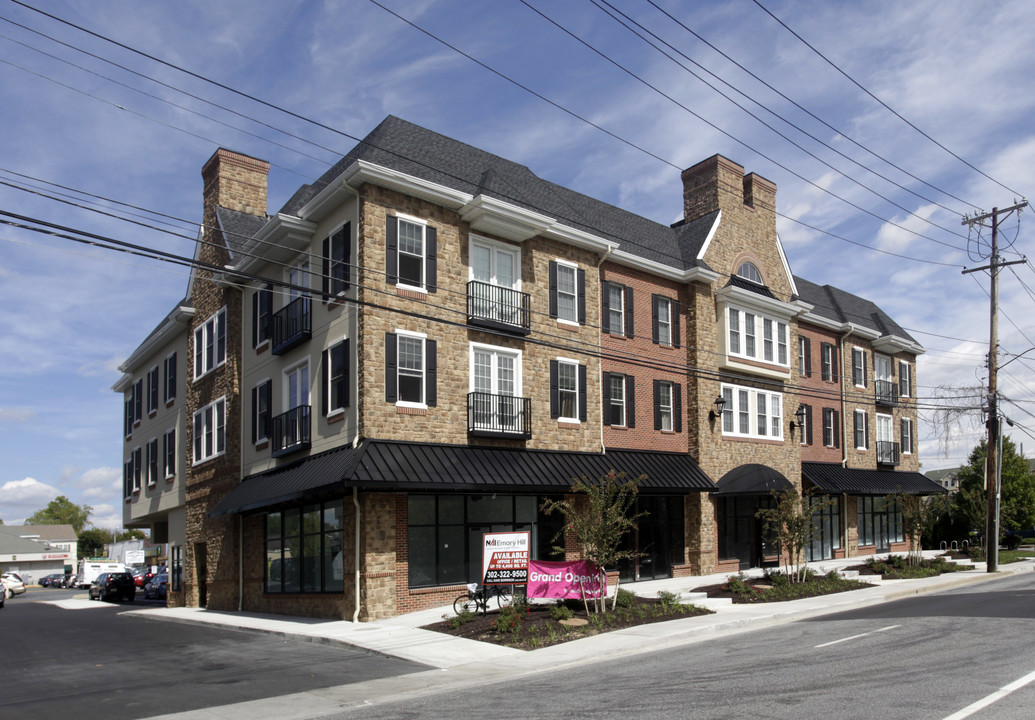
(505, 558)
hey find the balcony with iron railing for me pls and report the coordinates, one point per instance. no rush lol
(291, 431)
(888, 453)
(885, 392)
(292, 325)
(499, 308)
(500, 416)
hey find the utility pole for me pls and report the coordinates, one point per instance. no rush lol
(992, 461)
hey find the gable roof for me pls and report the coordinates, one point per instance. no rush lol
(58, 533)
(843, 307)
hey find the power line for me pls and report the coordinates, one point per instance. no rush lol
(881, 102)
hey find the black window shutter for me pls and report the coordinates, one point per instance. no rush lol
(392, 250)
(347, 370)
(834, 362)
(391, 379)
(837, 429)
(655, 302)
(255, 318)
(808, 357)
(606, 380)
(864, 369)
(581, 285)
(583, 404)
(555, 401)
(605, 319)
(808, 424)
(255, 414)
(266, 395)
(675, 323)
(630, 402)
(431, 253)
(326, 274)
(553, 290)
(628, 311)
(325, 383)
(657, 404)
(866, 429)
(677, 407)
(431, 373)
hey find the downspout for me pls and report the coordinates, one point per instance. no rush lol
(844, 437)
(600, 365)
(355, 501)
(240, 563)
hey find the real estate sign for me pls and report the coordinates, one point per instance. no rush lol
(565, 579)
(505, 558)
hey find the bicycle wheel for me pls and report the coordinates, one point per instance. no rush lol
(465, 603)
(506, 596)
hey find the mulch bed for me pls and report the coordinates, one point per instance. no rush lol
(761, 589)
(538, 628)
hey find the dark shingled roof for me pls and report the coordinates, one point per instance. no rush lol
(400, 145)
(238, 228)
(831, 478)
(391, 465)
(842, 307)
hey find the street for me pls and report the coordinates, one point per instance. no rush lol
(922, 658)
(100, 662)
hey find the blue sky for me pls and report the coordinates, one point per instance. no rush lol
(957, 70)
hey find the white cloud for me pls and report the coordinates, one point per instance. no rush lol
(22, 498)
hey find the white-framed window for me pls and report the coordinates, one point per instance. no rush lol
(169, 365)
(617, 405)
(831, 428)
(665, 320)
(885, 436)
(138, 401)
(751, 412)
(412, 252)
(567, 283)
(804, 356)
(210, 344)
(495, 265)
(567, 390)
(169, 454)
(617, 315)
(748, 271)
(905, 379)
(336, 378)
(906, 425)
(744, 329)
(138, 468)
(262, 411)
(336, 261)
(152, 462)
(495, 377)
(152, 390)
(262, 314)
(210, 431)
(664, 407)
(828, 362)
(296, 386)
(407, 377)
(297, 277)
(861, 429)
(859, 367)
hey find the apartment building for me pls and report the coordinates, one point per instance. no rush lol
(428, 341)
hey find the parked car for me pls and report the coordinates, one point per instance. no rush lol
(3, 592)
(158, 587)
(70, 581)
(142, 577)
(118, 585)
(53, 580)
(14, 584)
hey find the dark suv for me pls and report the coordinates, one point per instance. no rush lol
(118, 585)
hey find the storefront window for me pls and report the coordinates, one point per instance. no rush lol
(445, 533)
(304, 549)
(827, 523)
(880, 522)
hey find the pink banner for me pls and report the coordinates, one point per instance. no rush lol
(561, 579)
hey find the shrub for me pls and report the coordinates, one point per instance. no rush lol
(737, 585)
(561, 612)
(1012, 542)
(625, 598)
(668, 601)
(776, 578)
(463, 618)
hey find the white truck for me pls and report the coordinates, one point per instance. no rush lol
(90, 569)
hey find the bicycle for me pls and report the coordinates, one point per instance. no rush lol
(478, 597)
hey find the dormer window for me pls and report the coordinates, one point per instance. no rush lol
(748, 271)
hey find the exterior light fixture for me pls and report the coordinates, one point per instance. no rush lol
(801, 418)
(720, 403)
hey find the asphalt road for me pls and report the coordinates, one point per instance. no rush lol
(103, 663)
(932, 657)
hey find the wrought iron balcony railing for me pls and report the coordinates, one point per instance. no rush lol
(503, 416)
(886, 392)
(888, 453)
(499, 308)
(291, 431)
(292, 324)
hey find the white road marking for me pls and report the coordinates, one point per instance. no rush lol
(856, 637)
(989, 699)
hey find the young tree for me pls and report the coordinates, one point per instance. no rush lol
(62, 511)
(598, 518)
(791, 523)
(915, 516)
(1017, 491)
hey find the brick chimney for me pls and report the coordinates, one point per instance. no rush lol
(719, 184)
(234, 181)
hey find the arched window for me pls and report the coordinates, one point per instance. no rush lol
(748, 271)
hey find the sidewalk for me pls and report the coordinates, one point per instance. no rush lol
(459, 662)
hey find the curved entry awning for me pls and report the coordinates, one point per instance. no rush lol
(753, 479)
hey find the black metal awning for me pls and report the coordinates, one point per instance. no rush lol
(832, 479)
(753, 479)
(390, 465)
